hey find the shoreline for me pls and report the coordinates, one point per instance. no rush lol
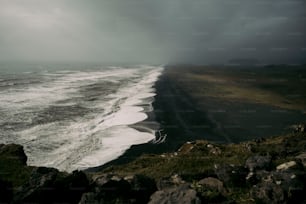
(177, 131)
(186, 118)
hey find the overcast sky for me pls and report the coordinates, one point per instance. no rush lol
(153, 31)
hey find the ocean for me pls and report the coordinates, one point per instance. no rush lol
(75, 116)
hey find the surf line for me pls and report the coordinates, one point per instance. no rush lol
(160, 137)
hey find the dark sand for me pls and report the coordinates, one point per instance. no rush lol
(186, 118)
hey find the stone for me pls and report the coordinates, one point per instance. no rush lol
(280, 187)
(286, 165)
(258, 162)
(299, 128)
(40, 180)
(142, 187)
(213, 183)
(211, 190)
(180, 194)
(255, 177)
(249, 146)
(90, 198)
(268, 192)
(102, 179)
(302, 158)
(164, 183)
(177, 180)
(231, 175)
(174, 180)
(113, 189)
(292, 182)
(214, 150)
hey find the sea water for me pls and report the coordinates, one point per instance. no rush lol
(75, 117)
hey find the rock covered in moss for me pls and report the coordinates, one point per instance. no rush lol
(211, 190)
(14, 152)
(213, 183)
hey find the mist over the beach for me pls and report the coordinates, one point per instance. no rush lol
(152, 101)
(160, 31)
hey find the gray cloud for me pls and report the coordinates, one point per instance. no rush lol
(159, 31)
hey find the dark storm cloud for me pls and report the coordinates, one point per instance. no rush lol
(159, 31)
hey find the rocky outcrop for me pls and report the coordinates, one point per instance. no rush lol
(13, 152)
(23, 184)
(273, 171)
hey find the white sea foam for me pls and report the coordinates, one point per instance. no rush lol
(90, 140)
(46, 94)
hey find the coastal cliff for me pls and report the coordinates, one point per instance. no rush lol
(270, 170)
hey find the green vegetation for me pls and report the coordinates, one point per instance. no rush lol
(225, 166)
(279, 86)
(198, 159)
(13, 167)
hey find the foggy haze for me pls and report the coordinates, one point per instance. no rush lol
(153, 31)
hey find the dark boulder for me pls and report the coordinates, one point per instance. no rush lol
(268, 192)
(213, 183)
(258, 162)
(211, 190)
(115, 190)
(181, 194)
(69, 188)
(293, 184)
(231, 175)
(38, 186)
(280, 187)
(108, 188)
(142, 188)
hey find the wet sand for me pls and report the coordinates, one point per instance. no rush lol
(186, 115)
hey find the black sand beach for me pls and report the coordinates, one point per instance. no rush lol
(185, 115)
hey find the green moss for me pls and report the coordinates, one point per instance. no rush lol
(13, 171)
(196, 162)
